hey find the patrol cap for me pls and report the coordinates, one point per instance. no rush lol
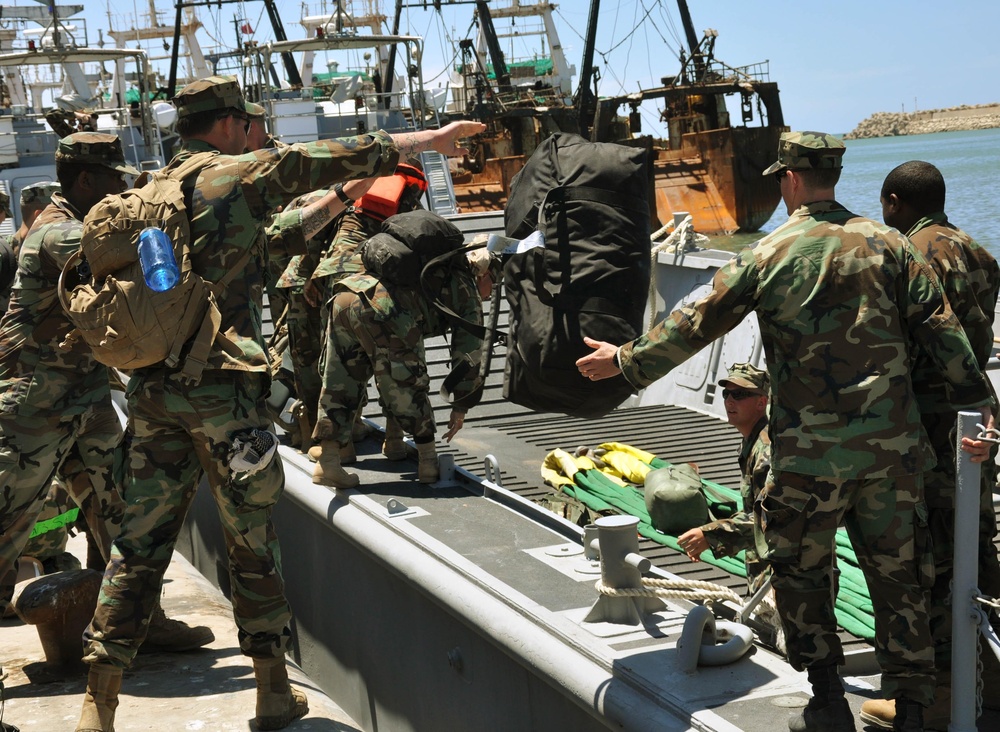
(255, 110)
(39, 194)
(5, 204)
(213, 93)
(747, 376)
(807, 151)
(94, 148)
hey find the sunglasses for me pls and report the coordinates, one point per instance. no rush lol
(780, 174)
(246, 120)
(738, 394)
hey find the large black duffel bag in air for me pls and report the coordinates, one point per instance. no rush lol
(591, 202)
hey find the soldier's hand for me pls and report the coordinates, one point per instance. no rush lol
(979, 450)
(446, 141)
(455, 422)
(693, 543)
(601, 363)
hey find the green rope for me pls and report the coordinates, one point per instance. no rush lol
(56, 522)
(599, 493)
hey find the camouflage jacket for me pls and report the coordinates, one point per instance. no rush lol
(841, 302)
(970, 277)
(235, 194)
(341, 258)
(33, 355)
(409, 309)
(727, 537)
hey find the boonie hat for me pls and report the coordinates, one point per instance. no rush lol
(213, 93)
(807, 151)
(5, 203)
(94, 148)
(747, 376)
(39, 194)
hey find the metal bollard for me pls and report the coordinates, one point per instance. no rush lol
(621, 569)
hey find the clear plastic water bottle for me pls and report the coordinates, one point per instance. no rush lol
(156, 257)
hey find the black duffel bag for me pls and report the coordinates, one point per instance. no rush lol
(590, 201)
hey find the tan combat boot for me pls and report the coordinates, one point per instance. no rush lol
(879, 712)
(166, 635)
(348, 454)
(328, 470)
(427, 462)
(278, 702)
(393, 447)
(101, 699)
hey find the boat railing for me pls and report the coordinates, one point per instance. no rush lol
(720, 71)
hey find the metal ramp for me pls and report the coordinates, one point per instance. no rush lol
(440, 190)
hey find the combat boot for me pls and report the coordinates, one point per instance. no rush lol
(427, 462)
(393, 446)
(166, 635)
(328, 471)
(348, 454)
(879, 712)
(909, 716)
(278, 702)
(101, 699)
(828, 710)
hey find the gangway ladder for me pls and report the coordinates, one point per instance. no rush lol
(440, 190)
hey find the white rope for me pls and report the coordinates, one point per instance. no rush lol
(683, 238)
(685, 589)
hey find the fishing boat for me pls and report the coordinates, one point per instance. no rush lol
(707, 164)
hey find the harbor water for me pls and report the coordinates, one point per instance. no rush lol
(968, 160)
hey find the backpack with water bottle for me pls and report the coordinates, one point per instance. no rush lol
(127, 324)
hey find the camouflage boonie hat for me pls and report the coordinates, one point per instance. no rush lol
(39, 194)
(807, 151)
(214, 93)
(747, 376)
(5, 204)
(94, 148)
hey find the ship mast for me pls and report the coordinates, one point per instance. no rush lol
(279, 34)
(586, 100)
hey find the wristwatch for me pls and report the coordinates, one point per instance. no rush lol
(344, 198)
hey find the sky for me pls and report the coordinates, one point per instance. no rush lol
(835, 63)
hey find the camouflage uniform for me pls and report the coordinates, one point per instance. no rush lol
(8, 257)
(181, 431)
(728, 537)
(378, 329)
(970, 277)
(34, 197)
(841, 301)
(56, 413)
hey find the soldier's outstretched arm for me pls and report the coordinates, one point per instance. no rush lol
(445, 140)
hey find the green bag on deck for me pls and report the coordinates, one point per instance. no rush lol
(675, 499)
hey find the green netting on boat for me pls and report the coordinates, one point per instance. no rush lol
(601, 494)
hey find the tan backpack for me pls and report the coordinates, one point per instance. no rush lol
(126, 324)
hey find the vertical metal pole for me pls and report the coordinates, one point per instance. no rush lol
(964, 623)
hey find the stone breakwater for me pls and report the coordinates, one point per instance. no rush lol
(889, 124)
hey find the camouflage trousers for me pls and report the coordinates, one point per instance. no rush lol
(53, 542)
(304, 347)
(798, 518)
(180, 432)
(81, 448)
(939, 490)
(364, 341)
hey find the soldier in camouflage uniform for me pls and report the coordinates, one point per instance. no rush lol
(8, 257)
(913, 197)
(842, 303)
(56, 414)
(342, 259)
(745, 391)
(34, 199)
(376, 328)
(218, 426)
